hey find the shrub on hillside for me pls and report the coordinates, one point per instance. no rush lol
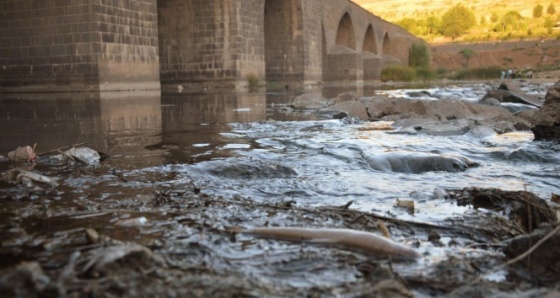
(419, 55)
(441, 72)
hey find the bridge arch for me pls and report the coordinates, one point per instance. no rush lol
(345, 32)
(371, 59)
(386, 44)
(370, 42)
(393, 53)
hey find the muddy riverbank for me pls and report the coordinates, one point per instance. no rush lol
(174, 241)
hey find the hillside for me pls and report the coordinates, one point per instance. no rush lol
(539, 56)
(491, 17)
(393, 10)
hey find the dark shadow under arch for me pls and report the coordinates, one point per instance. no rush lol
(386, 44)
(370, 43)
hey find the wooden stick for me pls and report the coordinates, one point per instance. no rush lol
(529, 251)
(66, 154)
(58, 149)
(516, 259)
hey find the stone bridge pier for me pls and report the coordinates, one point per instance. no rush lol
(100, 45)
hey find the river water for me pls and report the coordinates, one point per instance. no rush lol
(253, 146)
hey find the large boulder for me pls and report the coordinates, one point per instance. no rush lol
(511, 92)
(512, 97)
(393, 109)
(347, 96)
(385, 108)
(515, 87)
(546, 121)
(309, 101)
(350, 108)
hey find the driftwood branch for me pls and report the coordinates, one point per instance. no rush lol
(519, 257)
(529, 251)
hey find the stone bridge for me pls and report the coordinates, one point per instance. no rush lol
(107, 45)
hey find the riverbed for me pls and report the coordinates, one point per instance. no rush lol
(183, 169)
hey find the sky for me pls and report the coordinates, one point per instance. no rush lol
(364, 3)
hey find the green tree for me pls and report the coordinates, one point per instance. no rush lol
(407, 23)
(419, 55)
(510, 21)
(494, 17)
(456, 21)
(482, 20)
(551, 9)
(433, 24)
(537, 11)
(467, 54)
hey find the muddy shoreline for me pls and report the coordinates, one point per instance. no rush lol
(174, 241)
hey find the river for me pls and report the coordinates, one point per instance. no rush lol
(251, 145)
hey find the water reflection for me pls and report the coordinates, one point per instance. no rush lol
(137, 129)
(192, 124)
(333, 91)
(141, 129)
(117, 123)
(184, 109)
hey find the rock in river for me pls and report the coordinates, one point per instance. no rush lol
(417, 162)
(308, 101)
(546, 121)
(248, 169)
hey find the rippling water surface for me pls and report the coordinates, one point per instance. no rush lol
(331, 168)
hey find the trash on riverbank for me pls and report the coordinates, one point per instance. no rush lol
(406, 204)
(25, 153)
(19, 176)
(82, 155)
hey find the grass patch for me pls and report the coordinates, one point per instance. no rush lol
(253, 82)
(425, 74)
(482, 73)
(398, 73)
(549, 67)
(408, 74)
